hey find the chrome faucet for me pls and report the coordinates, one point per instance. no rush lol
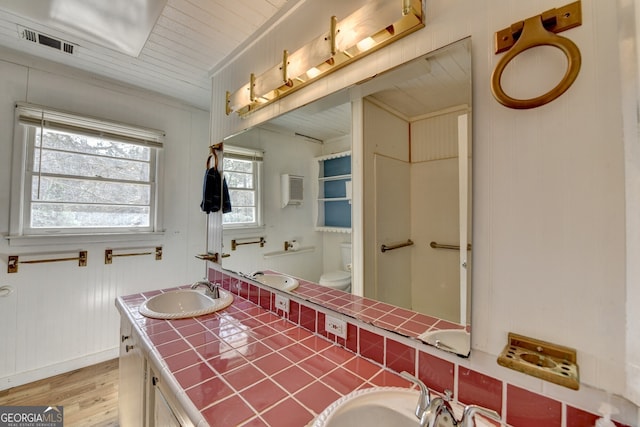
(424, 409)
(443, 413)
(437, 412)
(212, 290)
(250, 275)
(469, 412)
(444, 416)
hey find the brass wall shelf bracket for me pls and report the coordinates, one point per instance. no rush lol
(544, 360)
(14, 260)
(536, 31)
(209, 257)
(109, 255)
(261, 241)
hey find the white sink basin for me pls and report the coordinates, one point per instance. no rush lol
(277, 281)
(378, 406)
(453, 340)
(381, 406)
(184, 303)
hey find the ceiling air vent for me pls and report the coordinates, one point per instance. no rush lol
(43, 39)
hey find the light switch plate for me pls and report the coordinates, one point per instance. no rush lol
(335, 326)
(282, 303)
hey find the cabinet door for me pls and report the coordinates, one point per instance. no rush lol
(163, 414)
(165, 408)
(132, 368)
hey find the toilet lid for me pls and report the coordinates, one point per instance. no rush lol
(335, 276)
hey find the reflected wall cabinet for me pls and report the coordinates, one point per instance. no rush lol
(333, 188)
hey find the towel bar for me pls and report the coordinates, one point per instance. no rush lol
(235, 243)
(14, 260)
(538, 31)
(109, 255)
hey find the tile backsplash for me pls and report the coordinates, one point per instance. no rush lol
(519, 406)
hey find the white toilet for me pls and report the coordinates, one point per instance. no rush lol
(340, 279)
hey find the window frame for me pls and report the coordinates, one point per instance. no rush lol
(28, 118)
(255, 156)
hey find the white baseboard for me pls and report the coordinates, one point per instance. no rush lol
(21, 378)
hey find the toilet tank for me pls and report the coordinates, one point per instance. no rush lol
(345, 253)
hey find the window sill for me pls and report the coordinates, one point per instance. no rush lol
(44, 240)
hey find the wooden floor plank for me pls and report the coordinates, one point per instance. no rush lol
(89, 395)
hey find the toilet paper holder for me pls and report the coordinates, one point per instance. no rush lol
(291, 245)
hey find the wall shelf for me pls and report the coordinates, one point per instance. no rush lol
(302, 250)
(334, 178)
(334, 199)
(333, 189)
(334, 229)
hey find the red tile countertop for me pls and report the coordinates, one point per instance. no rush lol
(254, 365)
(392, 318)
(246, 366)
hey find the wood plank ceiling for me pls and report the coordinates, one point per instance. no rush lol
(191, 38)
(188, 40)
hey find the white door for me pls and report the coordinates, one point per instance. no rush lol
(464, 192)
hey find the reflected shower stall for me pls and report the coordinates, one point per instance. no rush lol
(416, 200)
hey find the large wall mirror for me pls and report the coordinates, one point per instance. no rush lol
(293, 177)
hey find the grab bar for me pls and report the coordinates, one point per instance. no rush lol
(14, 260)
(385, 248)
(435, 245)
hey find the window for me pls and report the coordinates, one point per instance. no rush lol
(79, 175)
(242, 170)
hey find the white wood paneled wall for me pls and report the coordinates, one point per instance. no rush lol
(61, 316)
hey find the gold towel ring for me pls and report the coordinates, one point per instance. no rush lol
(534, 34)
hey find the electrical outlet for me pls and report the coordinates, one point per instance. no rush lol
(336, 326)
(282, 303)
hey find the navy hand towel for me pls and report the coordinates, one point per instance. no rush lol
(214, 194)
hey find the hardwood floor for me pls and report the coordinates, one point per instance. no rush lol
(89, 395)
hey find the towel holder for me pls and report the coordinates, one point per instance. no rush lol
(532, 32)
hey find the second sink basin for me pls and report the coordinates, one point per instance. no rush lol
(456, 341)
(184, 303)
(378, 406)
(277, 281)
(381, 406)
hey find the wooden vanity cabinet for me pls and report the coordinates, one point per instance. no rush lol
(144, 400)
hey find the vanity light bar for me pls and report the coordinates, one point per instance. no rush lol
(368, 29)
